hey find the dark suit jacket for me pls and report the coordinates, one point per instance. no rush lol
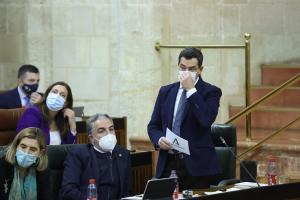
(81, 164)
(10, 99)
(7, 175)
(200, 112)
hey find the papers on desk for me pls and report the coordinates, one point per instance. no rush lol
(178, 143)
(136, 197)
(180, 196)
(247, 185)
(214, 192)
(237, 186)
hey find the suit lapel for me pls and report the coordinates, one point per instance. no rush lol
(171, 103)
(198, 86)
(119, 158)
(94, 162)
(17, 98)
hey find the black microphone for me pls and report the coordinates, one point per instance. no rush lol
(242, 164)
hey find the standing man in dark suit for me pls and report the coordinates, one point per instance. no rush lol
(25, 93)
(188, 108)
(109, 164)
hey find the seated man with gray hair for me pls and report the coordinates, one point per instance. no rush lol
(109, 164)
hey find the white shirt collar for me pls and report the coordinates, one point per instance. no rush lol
(21, 93)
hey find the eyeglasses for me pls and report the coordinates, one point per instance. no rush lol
(190, 69)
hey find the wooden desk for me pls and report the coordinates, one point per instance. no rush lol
(120, 124)
(283, 191)
(141, 163)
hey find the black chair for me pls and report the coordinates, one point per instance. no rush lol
(225, 153)
(56, 156)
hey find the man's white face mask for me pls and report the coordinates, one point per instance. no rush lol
(192, 74)
(107, 143)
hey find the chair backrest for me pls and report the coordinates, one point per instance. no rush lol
(8, 124)
(56, 156)
(226, 158)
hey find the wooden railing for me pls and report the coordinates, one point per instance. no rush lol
(254, 106)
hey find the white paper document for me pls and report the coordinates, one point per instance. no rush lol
(178, 143)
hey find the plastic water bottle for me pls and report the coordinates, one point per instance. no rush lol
(92, 190)
(176, 191)
(272, 171)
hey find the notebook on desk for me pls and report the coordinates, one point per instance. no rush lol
(159, 189)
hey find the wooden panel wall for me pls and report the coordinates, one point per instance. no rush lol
(141, 163)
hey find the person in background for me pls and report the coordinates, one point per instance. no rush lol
(54, 115)
(188, 108)
(23, 167)
(109, 164)
(25, 93)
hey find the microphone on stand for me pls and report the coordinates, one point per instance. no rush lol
(242, 164)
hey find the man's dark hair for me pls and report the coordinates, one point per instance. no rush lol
(27, 68)
(191, 52)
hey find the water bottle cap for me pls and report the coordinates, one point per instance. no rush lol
(272, 159)
(92, 181)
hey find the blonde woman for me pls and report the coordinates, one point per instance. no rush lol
(23, 173)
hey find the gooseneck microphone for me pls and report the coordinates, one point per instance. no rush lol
(242, 164)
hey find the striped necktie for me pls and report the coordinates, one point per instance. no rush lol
(179, 113)
(27, 101)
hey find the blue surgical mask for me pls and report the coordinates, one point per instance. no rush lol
(55, 102)
(25, 159)
(30, 88)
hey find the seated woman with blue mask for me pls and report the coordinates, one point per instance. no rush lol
(54, 115)
(23, 173)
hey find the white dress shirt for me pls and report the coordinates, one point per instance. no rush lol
(23, 96)
(55, 138)
(188, 94)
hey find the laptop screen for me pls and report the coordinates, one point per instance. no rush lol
(160, 188)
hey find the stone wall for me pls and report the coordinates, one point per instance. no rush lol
(105, 48)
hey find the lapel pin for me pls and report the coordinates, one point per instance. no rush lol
(120, 155)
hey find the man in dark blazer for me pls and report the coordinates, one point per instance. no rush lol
(25, 93)
(200, 109)
(102, 160)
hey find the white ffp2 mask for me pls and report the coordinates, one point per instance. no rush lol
(107, 143)
(192, 74)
